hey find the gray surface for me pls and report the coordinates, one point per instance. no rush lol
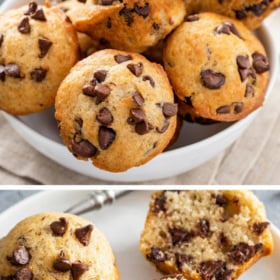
(271, 200)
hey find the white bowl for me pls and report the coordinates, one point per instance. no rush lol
(196, 143)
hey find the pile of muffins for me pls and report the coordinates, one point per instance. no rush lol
(192, 235)
(123, 74)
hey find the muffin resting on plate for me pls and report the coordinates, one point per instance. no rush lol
(130, 25)
(217, 66)
(116, 109)
(213, 235)
(38, 47)
(251, 12)
(56, 246)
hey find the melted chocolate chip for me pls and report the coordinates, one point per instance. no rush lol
(78, 269)
(218, 269)
(169, 109)
(203, 228)
(136, 69)
(241, 253)
(223, 242)
(260, 63)
(105, 116)
(223, 110)
(138, 99)
(84, 149)
(38, 74)
(150, 79)
(106, 137)
(192, 18)
(122, 58)
(182, 259)
(59, 227)
(12, 70)
(107, 2)
(44, 46)
(142, 10)
(100, 75)
(159, 204)
(211, 79)
(24, 274)
(221, 200)
(156, 255)
(127, 13)
(84, 234)
(156, 26)
(259, 228)
(143, 128)
(39, 15)
(24, 26)
(180, 235)
(32, 7)
(20, 256)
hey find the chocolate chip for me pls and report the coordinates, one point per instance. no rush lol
(62, 264)
(192, 18)
(24, 274)
(214, 269)
(243, 62)
(238, 107)
(221, 200)
(143, 128)
(1, 39)
(250, 92)
(100, 75)
(12, 70)
(211, 79)
(203, 228)
(59, 227)
(88, 90)
(38, 74)
(227, 28)
(156, 255)
(188, 100)
(223, 242)
(164, 127)
(245, 73)
(20, 256)
(39, 15)
(156, 26)
(136, 69)
(142, 10)
(159, 204)
(2, 73)
(105, 116)
(259, 228)
(44, 46)
(107, 2)
(127, 14)
(150, 79)
(241, 253)
(169, 109)
(82, 1)
(84, 234)
(106, 137)
(137, 116)
(223, 110)
(182, 259)
(122, 58)
(138, 99)
(24, 26)
(84, 148)
(260, 63)
(180, 235)
(32, 7)
(78, 269)
(102, 92)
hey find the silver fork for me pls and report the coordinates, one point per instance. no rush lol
(95, 200)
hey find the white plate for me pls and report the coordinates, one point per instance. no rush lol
(195, 145)
(122, 223)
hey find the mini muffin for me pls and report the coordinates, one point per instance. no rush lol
(38, 48)
(203, 235)
(218, 66)
(251, 12)
(130, 25)
(116, 109)
(56, 246)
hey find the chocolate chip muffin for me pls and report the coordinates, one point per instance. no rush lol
(251, 13)
(38, 48)
(130, 25)
(213, 235)
(116, 109)
(217, 66)
(56, 246)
